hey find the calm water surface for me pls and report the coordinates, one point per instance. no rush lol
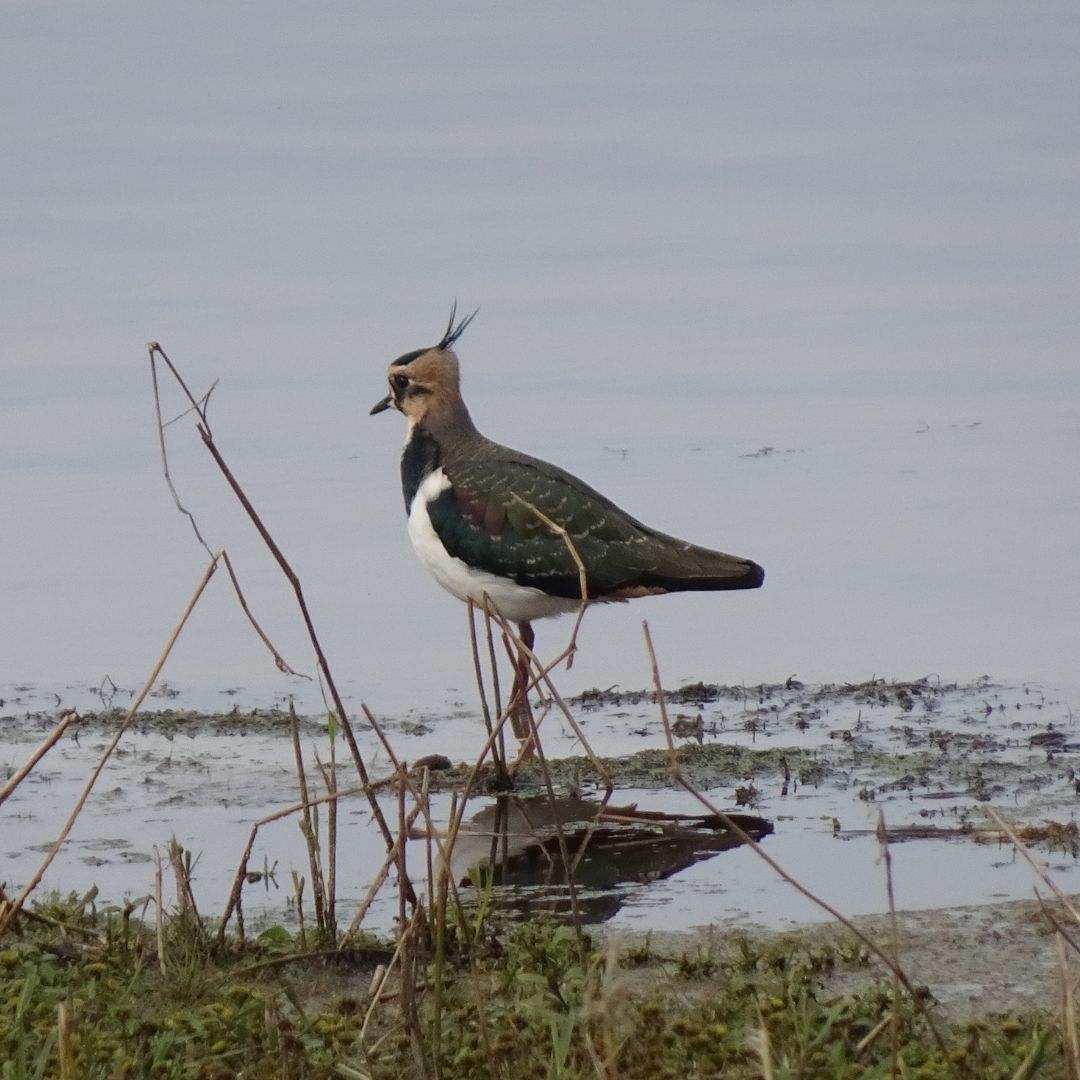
(800, 284)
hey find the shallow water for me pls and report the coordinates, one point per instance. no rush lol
(932, 760)
(844, 235)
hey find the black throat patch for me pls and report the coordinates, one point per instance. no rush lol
(419, 459)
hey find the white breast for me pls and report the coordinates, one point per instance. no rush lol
(518, 603)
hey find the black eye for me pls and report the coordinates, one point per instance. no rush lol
(399, 381)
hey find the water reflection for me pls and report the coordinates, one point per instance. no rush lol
(541, 854)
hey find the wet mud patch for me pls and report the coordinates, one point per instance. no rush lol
(974, 961)
(816, 761)
(923, 742)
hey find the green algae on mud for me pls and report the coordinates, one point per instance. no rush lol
(189, 722)
(704, 766)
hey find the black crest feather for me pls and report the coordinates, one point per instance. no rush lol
(454, 332)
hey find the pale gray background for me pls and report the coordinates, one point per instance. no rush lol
(845, 231)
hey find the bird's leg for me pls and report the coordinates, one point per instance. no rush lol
(520, 713)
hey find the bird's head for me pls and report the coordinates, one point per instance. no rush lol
(425, 384)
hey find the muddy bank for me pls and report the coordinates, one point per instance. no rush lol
(975, 961)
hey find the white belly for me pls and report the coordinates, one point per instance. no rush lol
(518, 603)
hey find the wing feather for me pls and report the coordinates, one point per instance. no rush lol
(491, 517)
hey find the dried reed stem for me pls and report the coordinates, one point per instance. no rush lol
(298, 890)
(1070, 1037)
(279, 660)
(377, 989)
(159, 911)
(199, 407)
(324, 667)
(206, 435)
(307, 826)
(759, 1040)
(583, 582)
(67, 1041)
(329, 775)
(1014, 839)
(402, 866)
(886, 858)
(373, 890)
(180, 861)
(429, 861)
(1052, 919)
(50, 741)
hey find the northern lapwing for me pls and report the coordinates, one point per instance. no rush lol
(481, 516)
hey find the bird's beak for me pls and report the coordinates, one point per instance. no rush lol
(381, 406)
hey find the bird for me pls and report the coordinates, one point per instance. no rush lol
(495, 526)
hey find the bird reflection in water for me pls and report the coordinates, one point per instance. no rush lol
(514, 844)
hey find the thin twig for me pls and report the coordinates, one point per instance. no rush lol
(54, 736)
(307, 826)
(329, 775)
(199, 407)
(1070, 1035)
(373, 891)
(1014, 839)
(163, 967)
(206, 435)
(279, 660)
(324, 667)
(886, 856)
(1055, 923)
(402, 859)
(155, 348)
(583, 582)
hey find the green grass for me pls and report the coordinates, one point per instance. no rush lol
(538, 1012)
(201, 1018)
(82, 995)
